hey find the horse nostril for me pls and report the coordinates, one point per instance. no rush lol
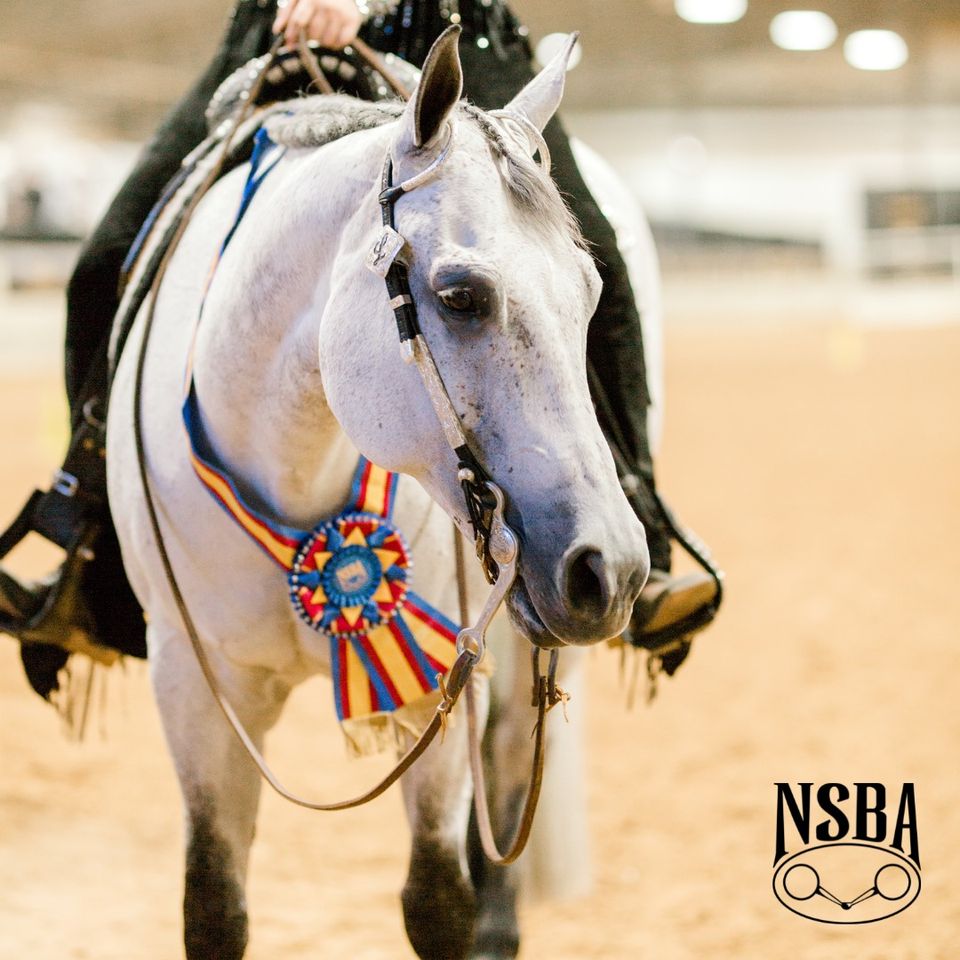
(585, 584)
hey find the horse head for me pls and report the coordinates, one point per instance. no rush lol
(504, 288)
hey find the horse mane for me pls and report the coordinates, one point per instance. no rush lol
(318, 120)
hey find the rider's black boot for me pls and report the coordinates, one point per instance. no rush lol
(87, 605)
(42, 662)
(669, 612)
(50, 620)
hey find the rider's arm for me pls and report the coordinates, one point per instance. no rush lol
(332, 23)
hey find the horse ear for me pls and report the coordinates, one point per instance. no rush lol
(539, 99)
(441, 85)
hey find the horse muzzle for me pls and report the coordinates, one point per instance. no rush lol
(587, 597)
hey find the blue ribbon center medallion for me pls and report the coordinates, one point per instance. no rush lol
(350, 575)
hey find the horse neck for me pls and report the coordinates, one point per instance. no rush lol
(257, 368)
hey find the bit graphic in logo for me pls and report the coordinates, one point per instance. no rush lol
(824, 872)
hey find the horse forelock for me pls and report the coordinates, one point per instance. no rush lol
(533, 191)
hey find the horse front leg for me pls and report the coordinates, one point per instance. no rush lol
(439, 904)
(219, 784)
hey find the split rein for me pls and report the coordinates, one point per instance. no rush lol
(497, 545)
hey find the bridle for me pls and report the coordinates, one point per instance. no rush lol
(476, 484)
(497, 545)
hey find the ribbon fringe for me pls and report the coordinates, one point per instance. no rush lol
(379, 732)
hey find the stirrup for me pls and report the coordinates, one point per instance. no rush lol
(69, 516)
(668, 624)
(61, 618)
(683, 607)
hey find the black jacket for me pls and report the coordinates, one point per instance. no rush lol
(409, 31)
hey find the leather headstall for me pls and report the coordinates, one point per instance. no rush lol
(471, 474)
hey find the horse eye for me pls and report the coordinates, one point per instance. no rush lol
(458, 300)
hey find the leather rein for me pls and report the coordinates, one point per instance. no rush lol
(497, 545)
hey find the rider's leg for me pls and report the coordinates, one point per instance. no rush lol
(615, 340)
(615, 350)
(92, 294)
(46, 613)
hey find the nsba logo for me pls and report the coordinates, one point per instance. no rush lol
(846, 854)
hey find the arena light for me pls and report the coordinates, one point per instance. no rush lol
(876, 50)
(803, 30)
(711, 11)
(552, 44)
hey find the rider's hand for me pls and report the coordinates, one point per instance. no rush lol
(332, 23)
